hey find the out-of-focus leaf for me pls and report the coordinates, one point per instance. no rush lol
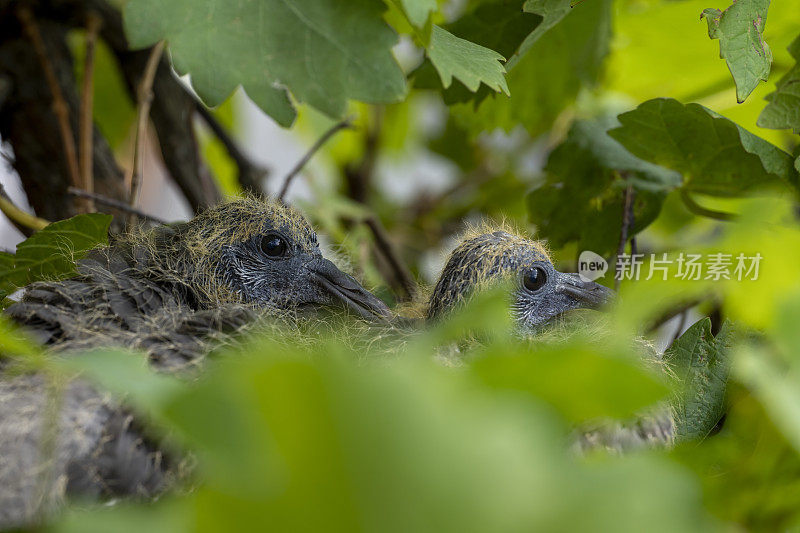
(323, 51)
(783, 109)
(750, 474)
(51, 253)
(739, 29)
(701, 362)
(468, 62)
(715, 155)
(616, 384)
(581, 199)
(168, 515)
(547, 78)
(778, 390)
(127, 375)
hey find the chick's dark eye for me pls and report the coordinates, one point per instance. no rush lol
(534, 279)
(274, 246)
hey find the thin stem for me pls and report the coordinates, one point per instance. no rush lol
(699, 210)
(383, 243)
(59, 103)
(144, 96)
(345, 124)
(116, 204)
(627, 224)
(86, 126)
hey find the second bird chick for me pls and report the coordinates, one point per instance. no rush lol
(541, 292)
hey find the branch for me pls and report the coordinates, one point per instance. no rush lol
(251, 176)
(59, 104)
(699, 210)
(22, 220)
(345, 124)
(392, 257)
(86, 127)
(144, 96)
(627, 224)
(116, 204)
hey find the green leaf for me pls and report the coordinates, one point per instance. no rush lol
(497, 25)
(323, 51)
(783, 109)
(549, 76)
(551, 13)
(701, 363)
(714, 155)
(617, 383)
(418, 11)
(739, 30)
(125, 374)
(51, 253)
(581, 198)
(468, 62)
(776, 389)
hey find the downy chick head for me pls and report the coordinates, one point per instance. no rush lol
(540, 291)
(262, 253)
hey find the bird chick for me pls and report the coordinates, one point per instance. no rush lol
(541, 292)
(162, 291)
(166, 292)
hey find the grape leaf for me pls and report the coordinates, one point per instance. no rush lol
(417, 11)
(470, 63)
(497, 25)
(323, 51)
(551, 12)
(549, 76)
(581, 198)
(51, 253)
(739, 29)
(700, 360)
(715, 155)
(783, 109)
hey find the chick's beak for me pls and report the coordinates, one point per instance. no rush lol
(584, 294)
(343, 288)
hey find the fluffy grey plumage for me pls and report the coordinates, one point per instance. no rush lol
(541, 292)
(170, 293)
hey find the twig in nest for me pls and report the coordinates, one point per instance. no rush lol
(383, 243)
(627, 224)
(144, 97)
(86, 126)
(251, 176)
(22, 220)
(116, 204)
(345, 124)
(59, 104)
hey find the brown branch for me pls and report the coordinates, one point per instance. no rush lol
(251, 176)
(345, 124)
(627, 224)
(26, 223)
(116, 204)
(59, 104)
(144, 96)
(383, 243)
(86, 127)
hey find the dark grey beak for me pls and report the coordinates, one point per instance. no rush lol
(584, 294)
(343, 288)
